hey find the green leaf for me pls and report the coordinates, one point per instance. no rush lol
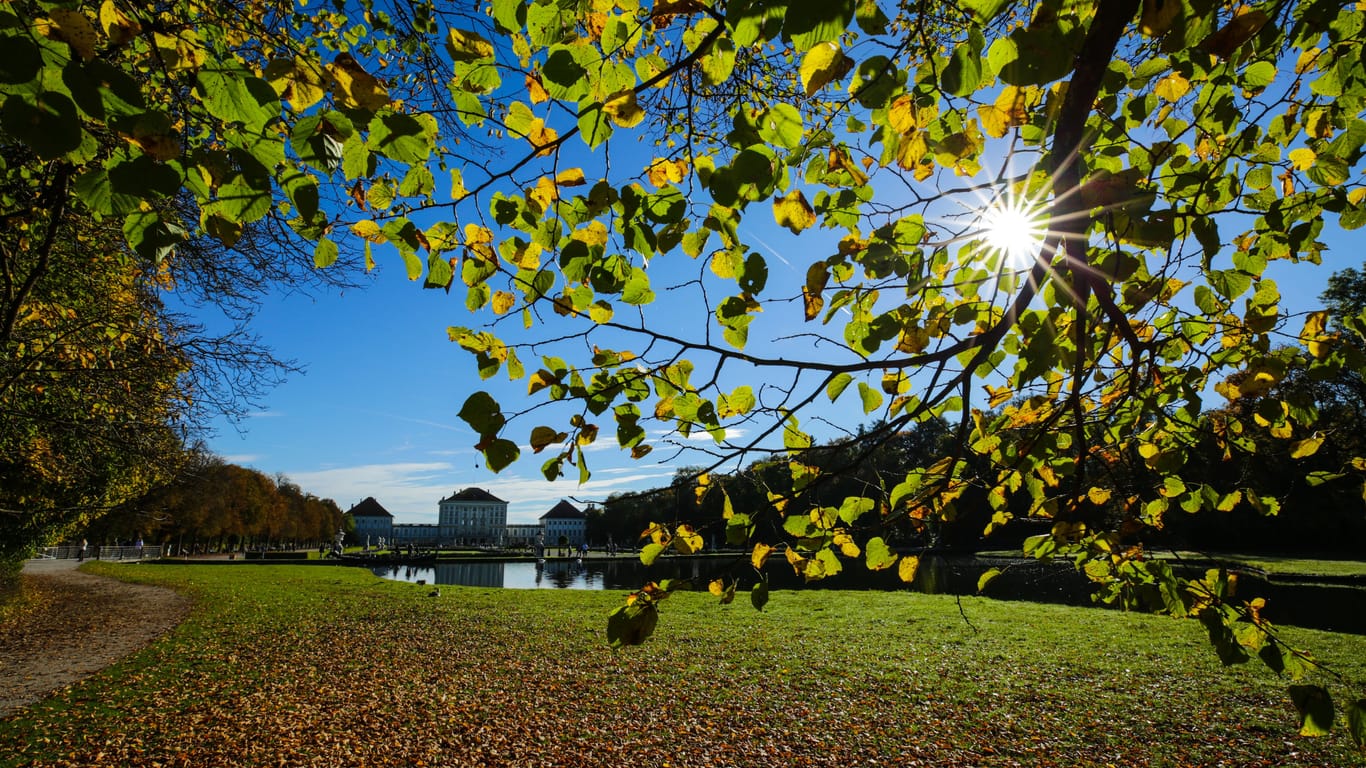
(20, 60)
(837, 386)
(1259, 75)
(232, 94)
(878, 555)
(855, 507)
(482, 413)
(49, 125)
(781, 124)
(964, 71)
(870, 17)
(1036, 55)
(324, 254)
(872, 398)
(758, 595)
(632, 624)
(987, 577)
(464, 45)
(650, 552)
(509, 15)
(500, 453)
(150, 236)
(565, 72)
(798, 525)
(982, 10)
(1356, 722)
(405, 138)
(809, 22)
(1315, 707)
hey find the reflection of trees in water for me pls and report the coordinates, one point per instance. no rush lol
(480, 574)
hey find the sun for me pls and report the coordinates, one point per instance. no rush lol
(1014, 228)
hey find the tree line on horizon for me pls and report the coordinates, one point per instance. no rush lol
(214, 505)
(1277, 497)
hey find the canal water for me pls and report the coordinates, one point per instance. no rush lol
(1334, 608)
(624, 574)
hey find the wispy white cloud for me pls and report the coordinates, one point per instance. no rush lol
(409, 419)
(410, 490)
(241, 458)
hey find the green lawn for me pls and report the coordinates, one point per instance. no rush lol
(332, 666)
(1273, 566)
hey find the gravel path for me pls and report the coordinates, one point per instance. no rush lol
(81, 625)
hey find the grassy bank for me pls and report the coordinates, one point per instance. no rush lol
(322, 666)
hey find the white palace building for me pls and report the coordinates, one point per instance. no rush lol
(472, 517)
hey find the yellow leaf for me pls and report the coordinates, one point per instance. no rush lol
(1303, 158)
(595, 233)
(503, 302)
(1098, 496)
(304, 84)
(906, 570)
(901, 115)
(1313, 334)
(794, 559)
(355, 86)
(570, 178)
(540, 380)
(820, 66)
(537, 91)
(1172, 87)
(467, 46)
(479, 241)
(1049, 477)
(75, 30)
(117, 27)
(686, 540)
(999, 395)
(370, 231)
(180, 51)
(1306, 447)
(624, 110)
(658, 534)
(545, 193)
(792, 211)
(911, 153)
(663, 171)
(1015, 102)
(995, 122)
(527, 256)
(760, 555)
(717, 587)
(703, 485)
(846, 544)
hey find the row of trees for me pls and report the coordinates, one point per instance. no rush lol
(104, 387)
(217, 506)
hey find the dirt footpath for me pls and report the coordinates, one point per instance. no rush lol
(82, 624)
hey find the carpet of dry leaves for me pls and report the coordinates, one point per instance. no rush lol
(330, 667)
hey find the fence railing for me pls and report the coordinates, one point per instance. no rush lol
(95, 552)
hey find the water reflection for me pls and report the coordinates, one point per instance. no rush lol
(552, 574)
(1335, 608)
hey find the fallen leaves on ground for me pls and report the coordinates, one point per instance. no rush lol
(312, 671)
